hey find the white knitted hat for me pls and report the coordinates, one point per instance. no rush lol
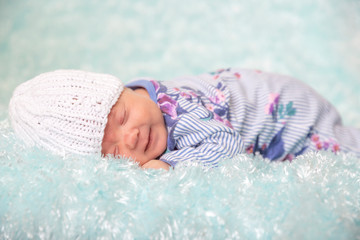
(64, 111)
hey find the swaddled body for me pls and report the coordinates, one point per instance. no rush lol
(231, 111)
(203, 118)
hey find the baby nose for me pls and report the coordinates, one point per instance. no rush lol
(131, 138)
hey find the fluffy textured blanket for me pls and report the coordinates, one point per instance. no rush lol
(316, 196)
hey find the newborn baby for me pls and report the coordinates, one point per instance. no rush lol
(203, 118)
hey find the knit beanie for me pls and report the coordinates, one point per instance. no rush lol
(64, 111)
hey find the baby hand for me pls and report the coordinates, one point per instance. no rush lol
(156, 164)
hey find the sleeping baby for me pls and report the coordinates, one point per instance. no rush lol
(203, 118)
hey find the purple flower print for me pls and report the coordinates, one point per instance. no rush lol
(210, 107)
(263, 147)
(335, 148)
(269, 108)
(250, 149)
(315, 138)
(289, 157)
(220, 97)
(237, 75)
(167, 105)
(228, 123)
(224, 121)
(273, 101)
(219, 71)
(326, 145)
(185, 95)
(193, 94)
(168, 102)
(218, 118)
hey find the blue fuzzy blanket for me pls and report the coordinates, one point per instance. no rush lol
(316, 196)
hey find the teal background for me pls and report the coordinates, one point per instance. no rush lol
(315, 41)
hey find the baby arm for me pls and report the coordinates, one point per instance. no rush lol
(203, 141)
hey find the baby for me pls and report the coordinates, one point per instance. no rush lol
(202, 118)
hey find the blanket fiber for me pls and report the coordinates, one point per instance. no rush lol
(316, 196)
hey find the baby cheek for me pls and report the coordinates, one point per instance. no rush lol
(105, 150)
(136, 157)
(144, 114)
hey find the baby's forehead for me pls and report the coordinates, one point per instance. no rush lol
(123, 99)
(122, 96)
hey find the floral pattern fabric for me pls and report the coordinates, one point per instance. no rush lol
(168, 102)
(220, 114)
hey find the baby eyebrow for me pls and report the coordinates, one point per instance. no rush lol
(119, 115)
(125, 117)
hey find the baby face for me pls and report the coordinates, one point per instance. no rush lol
(135, 128)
